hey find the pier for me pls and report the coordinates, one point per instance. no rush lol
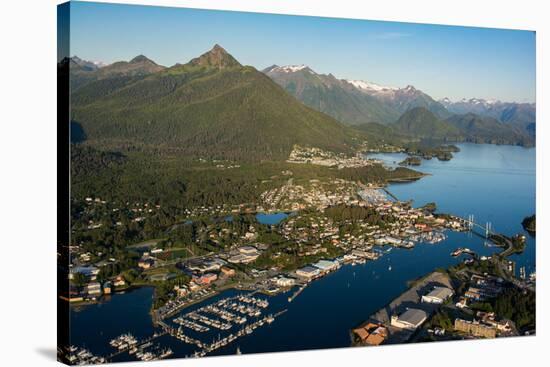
(390, 193)
(297, 293)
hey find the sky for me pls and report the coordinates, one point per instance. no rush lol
(443, 61)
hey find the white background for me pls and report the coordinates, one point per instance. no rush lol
(28, 181)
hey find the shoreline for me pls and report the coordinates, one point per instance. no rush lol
(410, 295)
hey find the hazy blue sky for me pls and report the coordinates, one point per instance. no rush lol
(442, 61)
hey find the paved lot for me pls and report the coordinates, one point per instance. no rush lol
(410, 299)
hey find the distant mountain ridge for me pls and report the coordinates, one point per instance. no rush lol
(85, 64)
(484, 129)
(353, 102)
(210, 107)
(330, 95)
(83, 72)
(521, 115)
(421, 123)
(361, 103)
(127, 100)
(402, 99)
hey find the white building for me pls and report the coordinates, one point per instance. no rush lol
(249, 250)
(326, 265)
(308, 272)
(410, 319)
(285, 282)
(243, 258)
(94, 288)
(438, 295)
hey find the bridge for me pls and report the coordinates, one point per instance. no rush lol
(472, 225)
(489, 234)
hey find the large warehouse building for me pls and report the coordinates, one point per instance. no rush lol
(437, 295)
(308, 272)
(410, 319)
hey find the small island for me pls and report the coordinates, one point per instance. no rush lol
(529, 224)
(428, 151)
(410, 161)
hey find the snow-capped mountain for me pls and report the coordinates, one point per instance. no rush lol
(88, 65)
(350, 100)
(358, 101)
(477, 102)
(288, 69)
(100, 64)
(369, 86)
(401, 99)
(326, 93)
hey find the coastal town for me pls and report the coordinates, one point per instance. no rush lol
(303, 234)
(316, 156)
(322, 226)
(294, 235)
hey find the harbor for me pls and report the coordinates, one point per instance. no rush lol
(242, 314)
(321, 314)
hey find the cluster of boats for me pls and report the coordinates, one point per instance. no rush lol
(523, 275)
(260, 302)
(81, 356)
(153, 355)
(244, 308)
(182, 321)
(432, 237)
(210, 321)
(224, 313)
(123, 342)
(222, 342)
(128, 342)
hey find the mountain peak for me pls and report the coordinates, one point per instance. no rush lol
(290, 69)
(216, 57)
(85, 64)
(270, 68)
(369, 86)
(140, 58)
(218, 48)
